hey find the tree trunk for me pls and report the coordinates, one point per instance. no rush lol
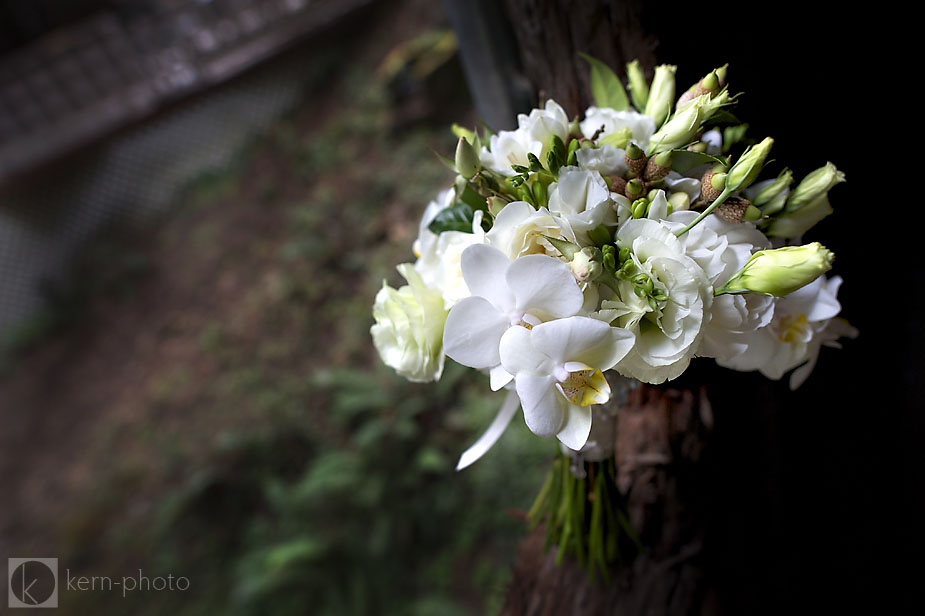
(661, 435)
(550, 33)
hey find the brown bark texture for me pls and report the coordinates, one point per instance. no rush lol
(550, 33)
(660, 436)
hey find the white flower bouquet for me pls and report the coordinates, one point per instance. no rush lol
(632, 240)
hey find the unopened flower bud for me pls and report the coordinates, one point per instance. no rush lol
(749, 165)
(635, 160)
(679, 201)
(617, 184)
(781, 271)
(495, 205)
(721, 74)
(711, 185)
(640, 208)
(817, 183)
(733, 209)
(467, 159)
(639, 88)
(661, 93)
(634, 188)
(586, 264)
(700, 146)
(775, 188)
(685, 124)
(658, 167)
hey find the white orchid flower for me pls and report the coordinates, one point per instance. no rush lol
(558, 373)
(526, 292)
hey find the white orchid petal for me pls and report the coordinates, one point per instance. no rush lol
(574, 434)
(544, 286)
(483, 270)
(473, 332)
(492, 434)
(582, 339)
(498, 377)
(544, 407)
(518, 354)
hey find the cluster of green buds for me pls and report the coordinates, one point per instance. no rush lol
(711, 84)
(619, 264)
(695, 107)
(643, 173)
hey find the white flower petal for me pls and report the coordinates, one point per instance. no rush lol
(492, 434)
(544, 286)
(583, 339)
(473, 332)
(483, 269)
(574, 434)
(544, 407)
(498, 377)
(518, 355)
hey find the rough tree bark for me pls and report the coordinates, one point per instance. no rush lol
(550, 33)
(661, 432)
(661, 435)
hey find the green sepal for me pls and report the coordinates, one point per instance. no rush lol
(606, 88)
(565, 247)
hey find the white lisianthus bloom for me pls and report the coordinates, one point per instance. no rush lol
(641, 126)
(558, 373)
(533, 135)
(527, 291)
(439, 264)
(426, 237)
(408, 332)
(582, 198)
(803, 321)
(518, 230)
(721, 249)
(605, 159)
(668, 335)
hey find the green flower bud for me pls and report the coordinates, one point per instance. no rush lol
(467, 159)
(766, 194)
(635, 160)
(634, 188)
(752, 213)
(749, 165)
(817, 183)
(721, 73)
(710, 190)
(710, 83)
(661, 93)
(679, 201)
(781, 271)
(639, 88)
(699, 146)
(640, 208)
(658, 167)
(684, 125)
(633, 152)
(586, 264)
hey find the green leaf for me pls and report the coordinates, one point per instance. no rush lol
(721, 117)
(685, 160)
(457, 217)
(566, 248)
(605, 85)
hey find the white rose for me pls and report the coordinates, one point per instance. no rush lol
(408, 332)
(519, 229)
(641, 126)
(668, 335)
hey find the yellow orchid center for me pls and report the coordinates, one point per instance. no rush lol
(794, 328)
(585, 387)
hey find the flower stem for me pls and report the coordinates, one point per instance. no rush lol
(722, 197)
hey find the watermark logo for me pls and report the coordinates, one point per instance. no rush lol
(33, 582)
